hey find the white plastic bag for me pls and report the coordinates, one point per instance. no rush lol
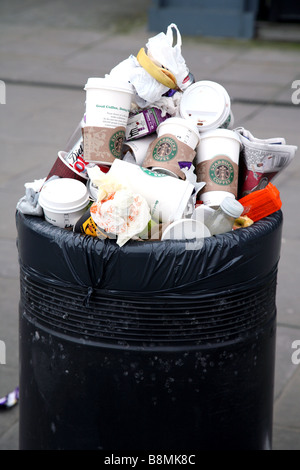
(162, 51)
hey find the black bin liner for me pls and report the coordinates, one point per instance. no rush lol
(153, 346)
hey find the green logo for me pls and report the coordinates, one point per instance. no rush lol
(221, 172)
(116, 143)
(152, 173)
(165, 149)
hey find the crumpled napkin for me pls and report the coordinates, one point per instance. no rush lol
(29, 203)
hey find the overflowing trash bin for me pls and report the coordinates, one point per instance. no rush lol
(147, 346)
(148, 268)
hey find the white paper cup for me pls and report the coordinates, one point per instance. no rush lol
(166, 196)
(138, 148)
(217, 160)
(108, 102)
(183, 129)
(164, 171)
(64, 201)
(186, 229)
(207, 104)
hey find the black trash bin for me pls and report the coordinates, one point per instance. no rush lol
(153, 346)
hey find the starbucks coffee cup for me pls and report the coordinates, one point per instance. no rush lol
(164, 171)
(138, 148)
(217, 164)
(176, 141)
(64, 201)
(166, 196)
(108, 102)
(207, 104)
(182, 129)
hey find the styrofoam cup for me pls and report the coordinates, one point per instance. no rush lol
(207, 104)
(108, 102)
(183, 129)
(64, 201)
(217, 160)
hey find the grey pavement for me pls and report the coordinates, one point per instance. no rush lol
(48, 49)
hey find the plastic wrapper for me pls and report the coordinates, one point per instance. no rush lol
(124, 214)
(10, 400)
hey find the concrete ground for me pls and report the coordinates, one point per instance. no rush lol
(48, 49)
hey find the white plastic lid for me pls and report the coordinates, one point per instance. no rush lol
(63, 194)
(206, 103)
(232, 207)
(108, 83)
(178, 121)
(230, 134)
(185, 229)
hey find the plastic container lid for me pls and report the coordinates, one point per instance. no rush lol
(178, 121)
(232, 207)
(206, 103)
(227, 133)
(63, 194)
(185, 229)
(108, 83)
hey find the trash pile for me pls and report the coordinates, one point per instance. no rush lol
(156, 157)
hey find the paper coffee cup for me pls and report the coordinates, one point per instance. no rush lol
(166, 196)
(138, 148)
(207, 104)
(108, 102)
(63, 169)
(101, 144)
(176, 141)
(164, 171)
(183, 130)
(64, 201)
(217, 164)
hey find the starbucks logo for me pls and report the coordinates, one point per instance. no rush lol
(165, 149)
(116, 143)
(221, 172)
